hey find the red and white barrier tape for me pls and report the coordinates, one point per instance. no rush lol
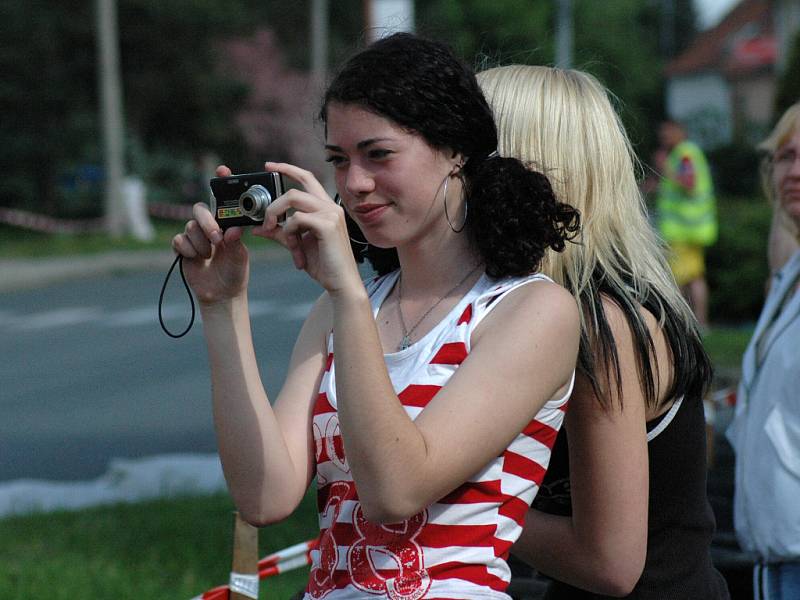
(163, 210)
(29, 220)
(45, 224)
(725, 397)
(279, 562)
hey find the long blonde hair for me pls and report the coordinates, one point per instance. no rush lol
(563, 122)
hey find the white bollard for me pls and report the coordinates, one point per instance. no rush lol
(134, 198)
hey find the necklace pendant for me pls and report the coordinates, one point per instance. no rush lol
(404, 343)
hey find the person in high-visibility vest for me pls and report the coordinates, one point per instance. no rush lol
(687, 214)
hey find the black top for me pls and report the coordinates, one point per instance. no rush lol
(680, 520)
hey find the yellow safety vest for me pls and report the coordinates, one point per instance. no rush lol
(687, 216)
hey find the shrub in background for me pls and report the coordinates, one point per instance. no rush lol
(737, 264)
(735, 170)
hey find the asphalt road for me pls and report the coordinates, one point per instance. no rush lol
(87, 374)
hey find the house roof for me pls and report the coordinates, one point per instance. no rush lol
(741, 43)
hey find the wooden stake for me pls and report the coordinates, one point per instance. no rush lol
(245, 553)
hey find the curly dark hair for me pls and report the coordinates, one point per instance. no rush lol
(420, 85)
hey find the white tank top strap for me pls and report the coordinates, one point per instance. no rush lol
(495, 290)
(665, 420)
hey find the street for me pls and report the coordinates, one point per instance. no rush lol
(88, 375)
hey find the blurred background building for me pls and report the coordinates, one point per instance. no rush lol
(723, 86)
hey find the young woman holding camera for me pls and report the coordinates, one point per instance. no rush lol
(425, 402)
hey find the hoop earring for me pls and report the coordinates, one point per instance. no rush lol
(338, 199)
(447, 215)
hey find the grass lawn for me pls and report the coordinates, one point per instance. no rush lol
(165, 549)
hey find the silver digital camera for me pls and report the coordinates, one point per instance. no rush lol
(240, 200)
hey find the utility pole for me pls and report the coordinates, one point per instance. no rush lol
(383, 17)
(111, 108)
(319, 71)
(564, 26)
(667, 29)
(319, 42)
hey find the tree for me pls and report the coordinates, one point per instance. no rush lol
(789, 82)
(175, 97)
(278, 117)
(47, 97)
(618, 42)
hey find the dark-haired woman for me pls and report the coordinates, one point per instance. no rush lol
(426, 401)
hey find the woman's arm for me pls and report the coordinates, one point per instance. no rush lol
(602, 547)
(401, 466)
(267, 455)
(266, 452)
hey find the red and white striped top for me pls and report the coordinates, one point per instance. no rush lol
(458, 546)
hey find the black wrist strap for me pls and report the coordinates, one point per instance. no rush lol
(178, 260)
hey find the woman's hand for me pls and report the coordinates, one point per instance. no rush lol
(315, 232)
(215, 262)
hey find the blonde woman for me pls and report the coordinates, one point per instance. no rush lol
(623, 510)
(784, 235)
(766, 430)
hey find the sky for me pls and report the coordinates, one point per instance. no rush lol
(710, 12)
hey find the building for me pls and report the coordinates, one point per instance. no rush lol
(722, 87)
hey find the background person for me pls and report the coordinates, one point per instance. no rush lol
(686, 212)
(623, 510)
(426, 402)
(765, 432)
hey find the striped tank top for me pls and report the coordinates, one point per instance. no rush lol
(456, 547)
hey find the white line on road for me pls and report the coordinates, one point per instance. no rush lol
(134, 317)
(57, 318)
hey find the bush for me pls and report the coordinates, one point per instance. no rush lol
(735, 170)
(737, 263)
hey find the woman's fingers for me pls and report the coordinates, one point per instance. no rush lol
(294, 243)
(182, 246)
(198, 239)
(300, 202)
(207, 222)
(301, 176)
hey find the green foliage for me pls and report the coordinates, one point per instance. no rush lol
(178, 100)
(605, 35)
(159, 550)
(684, 25)
(47, 97)
(502, 32)
(737, 263)
(789, 83)
(618, 42)
(726, 346)
(175, 96)
(735, 170)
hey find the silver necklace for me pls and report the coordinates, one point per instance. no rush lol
(406, 341)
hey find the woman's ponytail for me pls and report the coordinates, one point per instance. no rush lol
(514, 216)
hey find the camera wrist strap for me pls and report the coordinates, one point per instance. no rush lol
(178, 261)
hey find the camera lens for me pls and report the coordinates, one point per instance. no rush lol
(253, 203)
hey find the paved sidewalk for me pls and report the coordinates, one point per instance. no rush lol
(26, 273)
